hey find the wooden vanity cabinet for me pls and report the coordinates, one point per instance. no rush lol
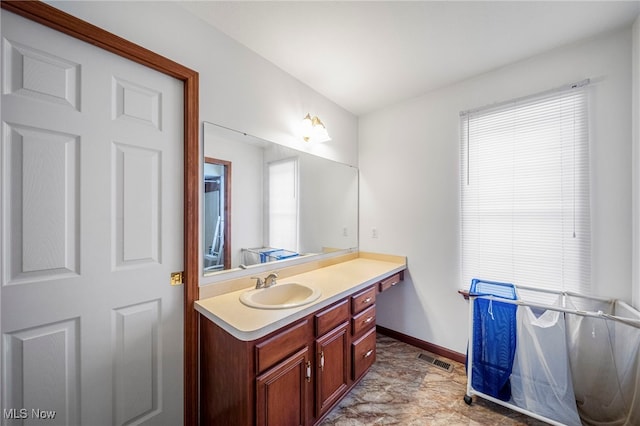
(281, 344)
(364, 299)
(284, 381)
(332, 356)
(363, 321)
(364, 353)
(294, 375)
(282, 392)
(227, 377)
(392, 281)
(363, 331)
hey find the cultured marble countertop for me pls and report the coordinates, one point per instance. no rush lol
(334, 281)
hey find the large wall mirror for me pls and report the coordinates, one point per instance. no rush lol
(264, 202)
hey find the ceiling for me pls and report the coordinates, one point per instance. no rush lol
(364, 55)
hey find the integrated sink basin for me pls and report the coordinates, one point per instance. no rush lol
(280, 296)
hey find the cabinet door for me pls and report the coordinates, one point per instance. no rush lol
(282, 392)
(332, 367)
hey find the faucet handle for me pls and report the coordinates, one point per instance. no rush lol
(259, 282)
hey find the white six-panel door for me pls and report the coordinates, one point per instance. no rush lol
(91, 212)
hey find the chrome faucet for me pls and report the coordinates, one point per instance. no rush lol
(271, 279)
(267, 282)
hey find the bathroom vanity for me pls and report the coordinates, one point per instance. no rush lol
(291, 366)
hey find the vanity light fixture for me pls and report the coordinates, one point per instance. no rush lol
(313, 130)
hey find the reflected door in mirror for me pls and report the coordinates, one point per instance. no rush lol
(216, 226)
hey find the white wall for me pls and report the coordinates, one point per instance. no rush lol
(409, 165)
(636, 163)
(238, 88)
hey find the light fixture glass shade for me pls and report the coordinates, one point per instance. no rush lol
(313, 130)
(307, 122)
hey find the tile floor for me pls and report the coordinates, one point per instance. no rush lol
(401, 389)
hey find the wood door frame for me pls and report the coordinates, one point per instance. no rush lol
(77, 28)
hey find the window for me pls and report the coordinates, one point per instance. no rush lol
(525, 192)
(283, 204)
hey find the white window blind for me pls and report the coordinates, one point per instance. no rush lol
(525, 192)
(283, 204)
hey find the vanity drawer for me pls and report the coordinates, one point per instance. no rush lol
(363, 320)
(329, 318)
(364, 353)
(363, 300)
(389, 282)
(276, 348)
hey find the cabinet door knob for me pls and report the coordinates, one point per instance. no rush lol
(322, 361)
(308, 371)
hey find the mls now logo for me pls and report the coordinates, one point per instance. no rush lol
(23, 413)
(14, 413)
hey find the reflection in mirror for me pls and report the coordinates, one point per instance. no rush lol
(217, 221)
(286, 203)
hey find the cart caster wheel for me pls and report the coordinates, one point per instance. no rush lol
(468, 400)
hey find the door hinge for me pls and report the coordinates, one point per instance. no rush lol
(177, 278)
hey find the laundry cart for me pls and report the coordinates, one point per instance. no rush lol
(559, 357)
(252, 256)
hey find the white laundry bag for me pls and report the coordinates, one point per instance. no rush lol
(541, 377)
(605, 361)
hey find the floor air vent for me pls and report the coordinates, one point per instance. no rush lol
(436, 362)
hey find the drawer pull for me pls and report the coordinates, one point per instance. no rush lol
(367, 300)
(322, 361)
(368, 354)
(394, 283)
(368, 320)
(308, 371)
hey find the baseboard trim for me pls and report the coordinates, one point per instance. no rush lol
(430, 347)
